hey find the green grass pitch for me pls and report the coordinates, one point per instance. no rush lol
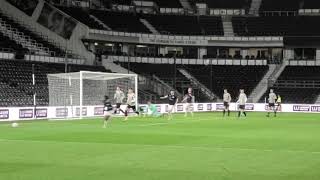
(206, 147)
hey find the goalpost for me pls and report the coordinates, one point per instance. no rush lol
(77, 90)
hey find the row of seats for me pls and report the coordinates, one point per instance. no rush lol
(16, 83)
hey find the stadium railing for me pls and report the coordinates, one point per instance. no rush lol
(214, 61)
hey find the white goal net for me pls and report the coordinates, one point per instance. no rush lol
(85, 88)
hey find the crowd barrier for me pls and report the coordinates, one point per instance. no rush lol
(31, 113)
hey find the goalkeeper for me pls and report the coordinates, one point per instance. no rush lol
(152, 110)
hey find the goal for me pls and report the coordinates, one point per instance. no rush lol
(76, 91)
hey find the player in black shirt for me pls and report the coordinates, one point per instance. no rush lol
(172, 101)
(107, 111)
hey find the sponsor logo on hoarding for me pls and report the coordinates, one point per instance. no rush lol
(61, 112)
(26, 113)
(315, 108)
(219, 107)
(41, 113)
(179, 108)
(249, 107)
(143, 109)
(209, 107)
(98, 111)
(4, 113)
(158, 108)
(302, 108)
(200, 107)
(84, 111)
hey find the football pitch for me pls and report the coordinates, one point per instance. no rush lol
(205, 147)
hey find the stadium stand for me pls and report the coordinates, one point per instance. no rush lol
(295, 75)
(56, 51)
(16, 87)
(186, 25)
(311, 4)
(227, 4)
(232, 78)
(283, 5)
(276, 26)
(121, 21)
(6, 42)
(81, 15)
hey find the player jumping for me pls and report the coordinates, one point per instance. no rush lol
(131, 103)
(272, 100)
(172, 100)
(189, 99)
(242, 103)
(118, 97)
(226, 102)
(107, 109)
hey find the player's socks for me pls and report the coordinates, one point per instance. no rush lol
(224, 112)
(239, 113)
(245, 114)
(228, 112)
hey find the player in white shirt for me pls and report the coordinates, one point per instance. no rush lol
(131, 103)
(226, 102)
(118, 98)
(242, 103)
(272, 100)
(189, 99)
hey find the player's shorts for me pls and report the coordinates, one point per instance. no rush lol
(118, 105)
(107, 113)
(131, 107)
(226, 104)
(242, 107)
(170, 107)
(271, 104)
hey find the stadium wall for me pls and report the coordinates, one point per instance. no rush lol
(29, 113)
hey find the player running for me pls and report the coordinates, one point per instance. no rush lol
(226, 102)
(107, 111)
(172, 100)
(189, 99)
(131, 103)
(118, 98)
(242, 103)
(272, 100)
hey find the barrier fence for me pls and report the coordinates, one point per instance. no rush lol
(30, 113)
